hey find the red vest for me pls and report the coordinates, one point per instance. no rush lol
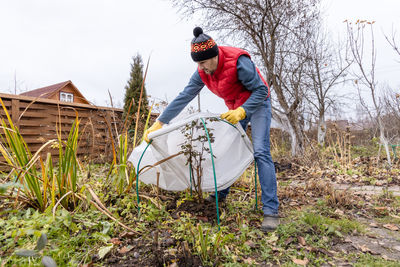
(224, 81)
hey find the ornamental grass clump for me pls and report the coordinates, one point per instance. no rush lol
(67, 172)
(35, 181)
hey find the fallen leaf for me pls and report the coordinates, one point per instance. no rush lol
(202, 218)
(250, 243)
(382, 210)
(339, 212)
(394, 216)
(371, 235)
(309, 248)
(364, 248)
(391, 227)
(332, 252)
(276, 249)
(373, 225)
(249, 261)
(272, 239)
(115, 241)
(103, 251)
(374, 252)
(300, 261)
(124, 249)
(289, 241)
(127, 234)
(322, 250)
(301, 240)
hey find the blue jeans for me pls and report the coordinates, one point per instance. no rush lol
(260, 126)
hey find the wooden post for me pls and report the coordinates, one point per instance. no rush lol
(109, 125)
(15, 111)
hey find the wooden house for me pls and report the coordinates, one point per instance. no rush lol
(64, 92)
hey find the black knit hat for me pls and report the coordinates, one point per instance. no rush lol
(203, 47)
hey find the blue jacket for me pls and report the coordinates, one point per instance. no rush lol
(247, 75)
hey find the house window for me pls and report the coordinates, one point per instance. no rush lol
(66, 97)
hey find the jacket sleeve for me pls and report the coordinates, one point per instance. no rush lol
(180, 102)
(248, 76)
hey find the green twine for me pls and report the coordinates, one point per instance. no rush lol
(137, 177)
(219, 119)
(190, 175)
(215, 177)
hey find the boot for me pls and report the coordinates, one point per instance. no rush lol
(270, 223)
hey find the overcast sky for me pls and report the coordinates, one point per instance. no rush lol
(91, 43)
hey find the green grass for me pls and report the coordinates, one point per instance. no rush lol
(75, 237)
(315, 223)
(72, 239)
(364, 151)
(368, 260)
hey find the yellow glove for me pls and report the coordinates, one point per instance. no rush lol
(156, 126)
(234, 116)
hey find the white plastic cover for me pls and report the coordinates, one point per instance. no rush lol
(232, 150)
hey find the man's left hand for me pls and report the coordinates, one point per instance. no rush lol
(234, 116)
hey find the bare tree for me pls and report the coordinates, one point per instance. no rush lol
(392, 98)
(364, 73)
(16, 88)
(274, 31)
(392, 42)
(392, 103)
(391, 117)
(326, 69)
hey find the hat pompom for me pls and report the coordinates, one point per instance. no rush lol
(197, 31)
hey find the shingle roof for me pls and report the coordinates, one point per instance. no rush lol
(45, 92)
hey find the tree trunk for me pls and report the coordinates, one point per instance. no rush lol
(321, 129)
(295, 135)
(384, 140)
(293, 139)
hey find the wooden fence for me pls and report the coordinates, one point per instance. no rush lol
(38, 119)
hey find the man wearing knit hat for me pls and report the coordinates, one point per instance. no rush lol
(230, 73)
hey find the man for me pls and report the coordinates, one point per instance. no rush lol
(230, 74)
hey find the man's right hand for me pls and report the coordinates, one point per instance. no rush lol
(156, 126)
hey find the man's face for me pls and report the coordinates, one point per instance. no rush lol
(209, 65)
